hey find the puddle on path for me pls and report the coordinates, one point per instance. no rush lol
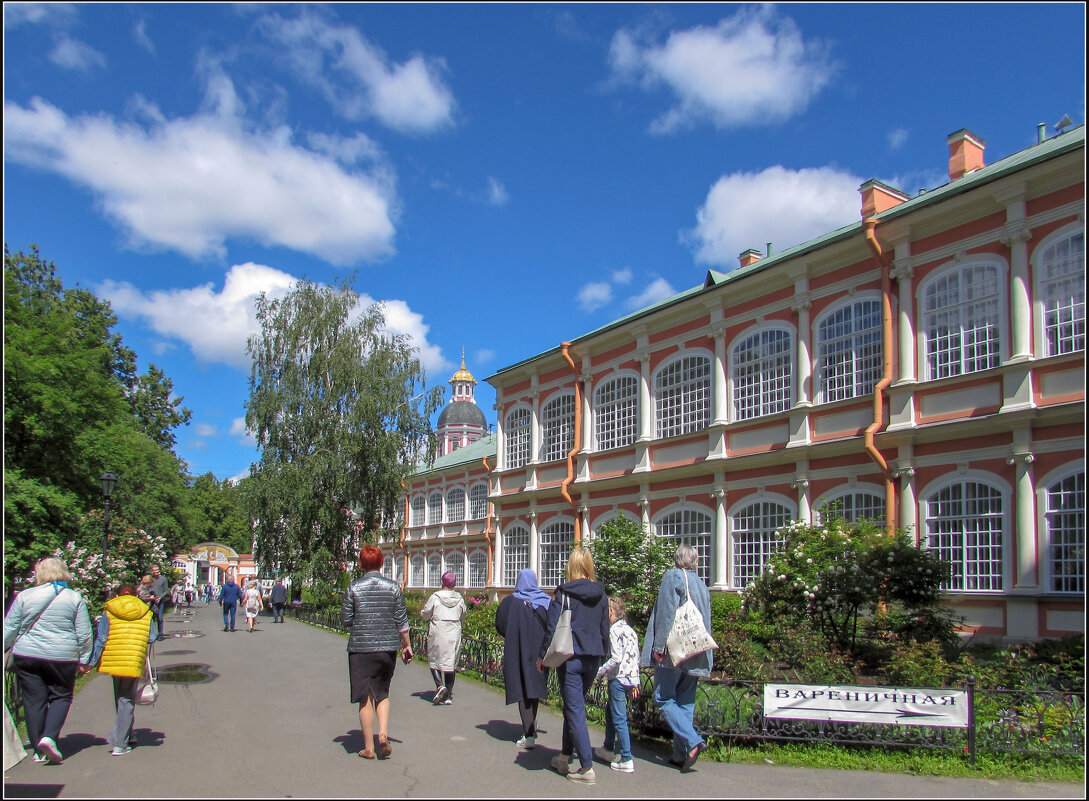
(185, 634)
(184, 674)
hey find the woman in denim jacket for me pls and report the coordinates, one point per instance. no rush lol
(675, 685)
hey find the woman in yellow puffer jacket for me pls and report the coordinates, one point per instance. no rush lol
(121, 643)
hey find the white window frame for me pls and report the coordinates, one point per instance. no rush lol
(762, 372)
(968, 537)
(478, 569)
(417, 570)
(690, 524)
(478, 501)
(1062, 530)
(434, 569)
(947, 355)
(517, 439)
(555, 541)
(454, 562)
(557, 426)
(1059, 295)
(515, 552)
(850, 358)
(434, 510)
(685, 404)
(616, 411)
(419, 506)
(455, 505)
(851, 497)
(754, 525)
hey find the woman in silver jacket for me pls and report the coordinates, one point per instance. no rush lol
(50, 629)
(375, 614)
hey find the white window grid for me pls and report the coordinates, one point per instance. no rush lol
(418, 510)
(854, 506)
(616, 412)
(964, 528)
(682, 396)
(1065, 518)
(762, 374)
(387, 567)
(417, 571)
(434, 570)
(755, 538)
(558, 428)
(850, 360)
(455, 563)
(478, 569)
(1063, 292)
(478, 501)
(689, 527)
(556, 543)
(455, 505)
(518, 436)
(434, 508)
(515, 554)
(962, 321)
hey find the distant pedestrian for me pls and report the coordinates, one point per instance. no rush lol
(48, 631)
(445, 611)
(675, 685)
(160, 594)
(521, 621)
(190, 594)
(124, 633)
(252, 604)
(589, 607)
(229, 596)
(143, 592)
(374, 612)
(208, 593)
(621, 671)
(278, 599)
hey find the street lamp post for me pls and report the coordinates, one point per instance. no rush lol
(109, 481)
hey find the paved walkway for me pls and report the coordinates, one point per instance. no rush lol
(275, 721)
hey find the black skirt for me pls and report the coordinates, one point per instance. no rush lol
(370, 675)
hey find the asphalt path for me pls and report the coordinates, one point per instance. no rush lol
(267, 715)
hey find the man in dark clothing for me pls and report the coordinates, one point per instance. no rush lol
(229, 597)
(279, 601)
(160, 591)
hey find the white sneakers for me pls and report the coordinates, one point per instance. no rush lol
(47, 746)
(583, 776)
(120, 750)
(624, 766)
(526, 742)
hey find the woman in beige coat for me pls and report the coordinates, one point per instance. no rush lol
(446, 612)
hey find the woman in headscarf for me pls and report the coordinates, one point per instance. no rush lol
(445, 610)
(521, 620)
(48, 629)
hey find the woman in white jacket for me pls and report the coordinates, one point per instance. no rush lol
(446, 612)
(48, 629)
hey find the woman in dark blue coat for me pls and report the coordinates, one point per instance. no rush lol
(521, 620)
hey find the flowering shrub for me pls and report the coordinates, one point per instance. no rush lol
(829, 576)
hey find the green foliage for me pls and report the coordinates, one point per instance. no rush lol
(631, 562)
(217, 514)
(479, 617)
(334, 407)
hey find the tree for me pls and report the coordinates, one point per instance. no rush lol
(157, 414)
(217, 513)
(631, 562)
(336, 413)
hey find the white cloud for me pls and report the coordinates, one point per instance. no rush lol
(139, 32)
(623, 276)
(243, 435)
(205, 430)
(897, 137)
(483, 356)
(497, 193)
(61, 14)
(594, 295)
(73, 54)
(752, 69)
(357, 79)
(658, 290)
(190, 184)
(781, 206)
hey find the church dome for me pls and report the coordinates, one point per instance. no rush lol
(462, 413)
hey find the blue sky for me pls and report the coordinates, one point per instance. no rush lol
(503, 177)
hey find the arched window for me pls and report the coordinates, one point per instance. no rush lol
(689, 527)
(455, 563)
(478, 569)
(763, 381)
(455, 505)
(755, 538)
(852, 506)
(682, 396)
(387, 567)
(961, 320)
(1061, 278)
(616, 412)
(518, 436)
(434, 570)
(478, 501)
(849, 361)
(434, 508)
(1065, 518)
(418, 510)
(557, 540)
(515, 553)
(964, 528)
(558, 427)
(417, 571)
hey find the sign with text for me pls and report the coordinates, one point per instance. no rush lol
(891, 705)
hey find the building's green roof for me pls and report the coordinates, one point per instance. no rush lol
(473, 452)
(1049, 148)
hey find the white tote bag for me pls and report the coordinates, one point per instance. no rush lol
(688, 636)
(562, 646)
(148, 691)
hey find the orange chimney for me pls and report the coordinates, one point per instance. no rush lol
(878, 197)
(750, 256)
(965, 153)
